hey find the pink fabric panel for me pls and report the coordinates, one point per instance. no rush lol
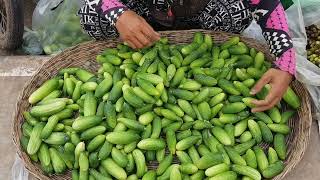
(108, 4)
(287, 61)
(277, 19)
(255, 2)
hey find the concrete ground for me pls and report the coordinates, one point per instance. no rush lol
(15, 72)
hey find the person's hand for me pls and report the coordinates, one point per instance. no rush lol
(135, 31)
(279, 82)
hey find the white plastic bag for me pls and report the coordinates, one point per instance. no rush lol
(311, 11)
(18, 171)
(58, 24)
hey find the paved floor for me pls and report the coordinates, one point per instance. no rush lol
(16, 70)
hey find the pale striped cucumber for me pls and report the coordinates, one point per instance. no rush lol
(122, 137)
(45, 89)
(35, 139)
(246, 171)
(151, 144)
(114, 169)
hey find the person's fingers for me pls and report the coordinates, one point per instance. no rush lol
(260, 84)
(263, 102)
(136, 42)
(131, 44)
(267, 107)
(127, 39)
(150, 32)
(273, 94)
(271, 99)
(142, 39)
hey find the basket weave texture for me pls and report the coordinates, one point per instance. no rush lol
(83, 56)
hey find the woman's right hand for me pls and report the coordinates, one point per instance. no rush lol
(135, 31)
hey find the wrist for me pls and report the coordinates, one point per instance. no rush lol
(114, 14)
(288, 76)
(123, 17)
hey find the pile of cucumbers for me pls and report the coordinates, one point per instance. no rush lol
(313, 50)
(184, 109)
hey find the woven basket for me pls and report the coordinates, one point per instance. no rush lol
(83, 55)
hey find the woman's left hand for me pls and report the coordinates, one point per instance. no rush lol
(279, 82)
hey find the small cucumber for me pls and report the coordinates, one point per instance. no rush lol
(150, 175)
(221, 135)
(245, 136)
(186, 107)
(272, 155)
(57, 138)
(232, 41)
(230, 175)
(235, 156)
(175, 173)
(233, 108)
(187, 143)
(228, 87)
(217, 99)
(122, 137)
(82, 123)
(251, 159)
(279, 128)
(44, 90)
(262, 159)
(291, 98)
(246, 171)
(114, 169)
(217, 169)
(47, 109)
(44, 155)
(193, 153)
(280, 146)
(209, 160)
(104, 86)
(151, 144)
(243, 147)
(48, 128)
(273, 170)
(84, 75)
(131, 124)
(188, 168)
(198, 175)
(255, 130)
(275, 115)
(96, 142)
(171, 141)
(183, 157)
(92, 132)
(205, 111)
(35, 139)
(285, 116)
(57, 162)
(164, 164)
(119, 157)
(266, 132)
(140, 162)
(263, 117)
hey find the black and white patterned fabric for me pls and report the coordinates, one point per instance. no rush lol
(113, 14)
(226, 15)
(219, 15)
(93, 23)
(279, 41)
